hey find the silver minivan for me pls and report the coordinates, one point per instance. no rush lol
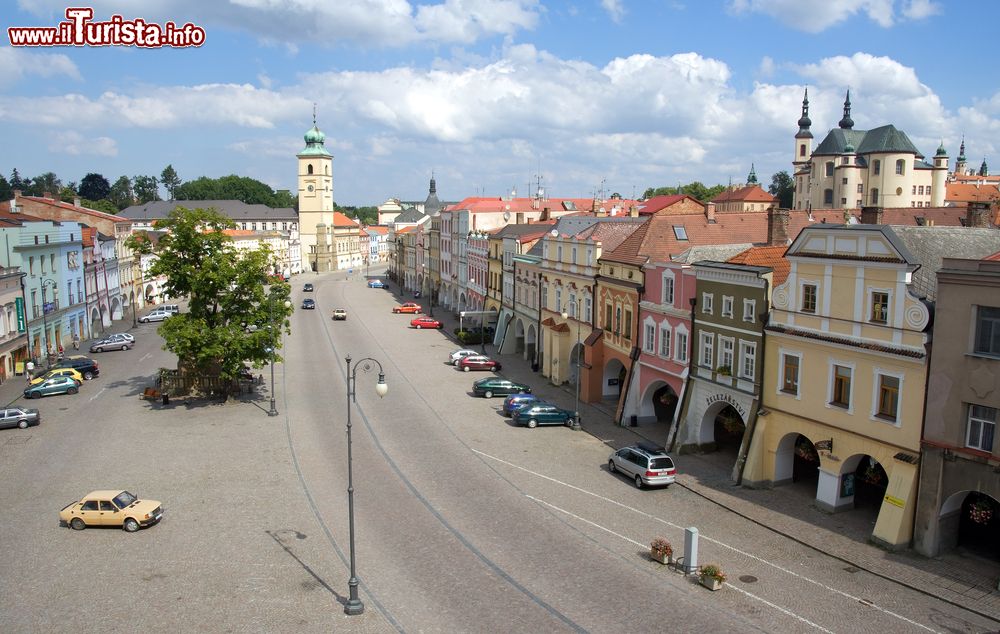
(157, 315)
(645, 464)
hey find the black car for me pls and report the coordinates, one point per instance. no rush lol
(307, 288)
(84, 365)
(496, 385)
(308, 304)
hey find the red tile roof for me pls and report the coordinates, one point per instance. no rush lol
(70, 207)
(659, 203)
(772, 256)
(959, 193)
(993, 258)
(340, 220)
(382, 229)
(750, 194)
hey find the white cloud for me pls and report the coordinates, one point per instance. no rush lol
(767, 67)
(920, 9)
(615, 10)
(371, 23)
(76, 144)
(814, 16)
(17, 63)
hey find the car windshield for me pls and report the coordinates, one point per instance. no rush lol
(123, 499)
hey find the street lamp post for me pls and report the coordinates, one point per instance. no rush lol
(45, 321)
(354, 605)
(274, 337)
(576, 409)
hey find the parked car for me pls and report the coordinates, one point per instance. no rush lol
(121, 335)
(309, 304)
(307, 288)
(645, 463)
(517, 401)
(111, 343)
(22, 417)
(458, 355)
(339, 314)
(376, 284)
(111, 508)
(73, 373)
(425, 322)
(407, 307)
(84, 365)
(537, 414)
(173, 309)
(52, 385)
(498, 386)
(157, 315)
(478, 362)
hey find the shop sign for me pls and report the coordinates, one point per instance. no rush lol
(725, 398)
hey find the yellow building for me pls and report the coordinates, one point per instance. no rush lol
(494, 274)
(845, 358)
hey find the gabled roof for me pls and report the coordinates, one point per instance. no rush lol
(771, 256)
(715, 252)
(930, 245)
(380, 229)
(526, 232)
(411, 215)
(750, 194)
(341, 220)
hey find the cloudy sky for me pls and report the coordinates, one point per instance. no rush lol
(588, 95)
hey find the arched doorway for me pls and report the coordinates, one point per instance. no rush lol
(796, 461)
(575, 362)
(870, 483)
(518, 337)
(613, 378)
(728, 428)
(665, 404)
(978, 525)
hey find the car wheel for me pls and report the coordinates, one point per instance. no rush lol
(124, 348)
(466, 368)
(488, 394)
(532, 423)
(143, 321)
(31, 395)
(88, 375)
(611, 466)
(77, 524)
(98, 349)
(23, 424)
(130, 525)
(638, 481)
(496, 368)
(72, 390)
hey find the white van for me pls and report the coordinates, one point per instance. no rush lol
(173, 309)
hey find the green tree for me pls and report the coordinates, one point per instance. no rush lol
(232, 187)
(68, 193)
(47, 182)
(782, 187)
(146, 188)
(226, 290)
(170, 180)
(121, 194)
(94, 187)
(6, 191)
(16, 182)
(103, 204)
(694, 189)
(284, 199)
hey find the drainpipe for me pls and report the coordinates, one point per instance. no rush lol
(687, 384)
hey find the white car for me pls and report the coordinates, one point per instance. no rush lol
(157, 315)
(460, 354)
(121, 336)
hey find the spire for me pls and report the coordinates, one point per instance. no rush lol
(847, 123)
(752, 178)
(804, 120)
(983, 169)
(314, 114)
(961, 150)
(433, 183)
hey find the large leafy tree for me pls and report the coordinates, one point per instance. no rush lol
(783, 187)
(227, 293)
(146, 188)
(121, 194)
(230, 187)
(47, 182)
(94, 187)
(170, 180)
(695, 189)
(6, 191)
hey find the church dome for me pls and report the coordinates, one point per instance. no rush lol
(941, 151)
(313, 135)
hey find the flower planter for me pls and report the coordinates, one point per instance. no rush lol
(662, 557)
(711, 583)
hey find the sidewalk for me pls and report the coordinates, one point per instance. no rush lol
(963, 579)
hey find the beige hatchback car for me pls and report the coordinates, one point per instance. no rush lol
(111, 508)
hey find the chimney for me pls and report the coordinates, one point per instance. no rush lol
(76, 201)
(710, 212)
(871, 215)
(546, 214)
(977, 215)
(777, 226)
(633, 211)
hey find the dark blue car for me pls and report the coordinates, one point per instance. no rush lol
(376, 284)
(517, 401)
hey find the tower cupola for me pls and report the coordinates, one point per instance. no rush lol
(847, 123)
(804, 120)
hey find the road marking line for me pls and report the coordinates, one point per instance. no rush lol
(701, 535)
(145, 356)
(96, 395)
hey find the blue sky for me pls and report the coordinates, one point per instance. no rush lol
(618, 95)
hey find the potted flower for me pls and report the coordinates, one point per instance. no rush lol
(981, 512)
(661, 550)
(724, 370)
(711, 576)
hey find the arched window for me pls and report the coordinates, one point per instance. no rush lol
(802, 150)
(309, 169)
(874, 196)
(900, 167)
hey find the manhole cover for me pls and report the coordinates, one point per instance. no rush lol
(852, 569)
(748, 578)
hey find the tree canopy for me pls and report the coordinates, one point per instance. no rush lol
(783, 187)
(694, 189)
(226, 291)
(94, 187)
(231, 187)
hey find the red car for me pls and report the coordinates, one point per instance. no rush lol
(408, 307)
(478, 362)
(426, 322)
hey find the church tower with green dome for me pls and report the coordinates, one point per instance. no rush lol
(315, 182)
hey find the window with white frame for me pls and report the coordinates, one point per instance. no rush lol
(726, 346)
(706, 303)
(559, 303)
(707, 349)
(988, 331)
(649, 337)
(681, 346)
(559, 253)
(809, 292)
(790, 373)
(668, 288)
(879, 301)
(749, 309)
(665, 340)
(748, 359)
(590, 256)
(571, 309)
(727, 306)
(886, 397)
(982, 424)
(588, 310)
(841, 378)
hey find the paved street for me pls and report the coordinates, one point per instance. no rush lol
(464, 522)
